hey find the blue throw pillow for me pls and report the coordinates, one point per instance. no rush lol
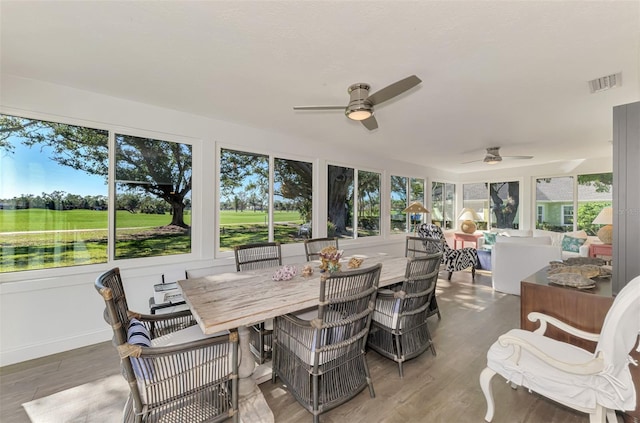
(138, 334)
(572, 244)
(489, 238)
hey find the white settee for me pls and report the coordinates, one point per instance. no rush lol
(515, 258)
(556, 239)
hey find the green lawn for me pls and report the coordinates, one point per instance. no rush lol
(77, 237)
(55, 220)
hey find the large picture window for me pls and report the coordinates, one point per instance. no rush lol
(54, 204)
(153, 197)
(53, 194)
(245, 195)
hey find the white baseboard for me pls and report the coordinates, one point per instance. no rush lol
(44, 349)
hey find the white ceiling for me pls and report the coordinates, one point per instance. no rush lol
(495, 73)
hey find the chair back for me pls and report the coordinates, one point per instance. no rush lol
(109, 286)
(620, 333)
(347, 301)
(417, 246)
(417, 289)
(257, 256)
(429, 230)
(312, 247)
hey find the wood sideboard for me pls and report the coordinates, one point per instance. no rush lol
(582, 309)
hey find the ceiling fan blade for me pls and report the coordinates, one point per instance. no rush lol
(370, 123)
(517, 157)
(394, 89)
(319, 107)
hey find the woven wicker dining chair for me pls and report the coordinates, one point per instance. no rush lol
(179, 376)
(399, 329)
(417, 246)
(252, 257)
(320, 355)
(312, 247)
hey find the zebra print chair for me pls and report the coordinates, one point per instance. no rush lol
(454, 260)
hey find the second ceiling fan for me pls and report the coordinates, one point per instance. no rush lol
(361, 104)
(493, 157)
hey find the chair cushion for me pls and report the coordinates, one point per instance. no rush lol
(188, 365)
(572, 244)
(581, 390)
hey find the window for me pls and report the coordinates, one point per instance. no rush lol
(292, 200)
(505, 202)
(443, 196)
(555, 202)
(153, 197)
(340, 185)
(539, 214)
(244, 216)
(567, 215)
(368, 203)
(476, 197)
(398, 204)
(53, 194)
(595, 192)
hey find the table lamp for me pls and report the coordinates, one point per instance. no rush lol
(468, 216)
(605, 217)
(415, 207)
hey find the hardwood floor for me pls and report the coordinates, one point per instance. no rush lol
(442, 388)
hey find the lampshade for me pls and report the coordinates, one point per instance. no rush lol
(605, 217)
(468, 216)
(415, 207)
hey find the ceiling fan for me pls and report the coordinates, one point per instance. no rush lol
(361, 104)
(493, 157)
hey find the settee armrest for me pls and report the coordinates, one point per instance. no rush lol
(545, 319)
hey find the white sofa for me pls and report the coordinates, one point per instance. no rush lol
(515, 258)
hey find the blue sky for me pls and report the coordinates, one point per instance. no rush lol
(29, 171)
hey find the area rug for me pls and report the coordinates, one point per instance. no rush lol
(96, 402)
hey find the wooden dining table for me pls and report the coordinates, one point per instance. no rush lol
(237, 300)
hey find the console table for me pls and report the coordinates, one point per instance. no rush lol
(582, 309)
(462, 238)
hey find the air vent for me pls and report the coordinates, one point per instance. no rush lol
(605, 83)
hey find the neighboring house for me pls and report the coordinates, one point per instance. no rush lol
(555, 200)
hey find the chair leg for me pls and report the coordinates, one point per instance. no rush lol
(473, 273)
(449, 278)
(485, 383)
(611, 416)
(599, 416)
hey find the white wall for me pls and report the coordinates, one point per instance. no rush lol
(48, 311)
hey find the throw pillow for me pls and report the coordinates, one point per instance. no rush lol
(489, 238)
(137, 334)
(572, 244)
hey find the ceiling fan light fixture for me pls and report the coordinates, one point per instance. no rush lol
(492, 160)
(359, 114)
